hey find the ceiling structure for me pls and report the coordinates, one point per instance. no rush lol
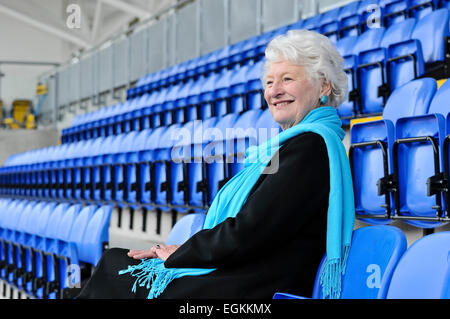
(98, 19)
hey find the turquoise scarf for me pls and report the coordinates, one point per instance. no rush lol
(324, 121)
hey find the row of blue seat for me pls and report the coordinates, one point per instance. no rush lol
(359, 16)
(348, 20)
(401, 163)
(217, 94)
(176, 167)
(380, 266)
(156, 168)
(44, 244)
(378, 58)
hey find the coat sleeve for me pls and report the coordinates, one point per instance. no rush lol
(278, 209)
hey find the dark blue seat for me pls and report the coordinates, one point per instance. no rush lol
(345, 47)
(164, 187)
(221, 95)
(214, 156)
(350, 18)
(329, 25)
(184, 228)
(369, 271)
(195, 167)
(423, 270)
(395, 11)
(95, 238)
(157, 107)
(312, 23)
(418, 162)
(372, 145)
(245, 134)
(368, 40)
(147, 157)
(420, 8)
(435, 23)
(266, 126)
(206, 97)
(375, 69)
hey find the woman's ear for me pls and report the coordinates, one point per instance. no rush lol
(326, 89)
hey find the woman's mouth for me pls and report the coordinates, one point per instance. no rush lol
(280, 104)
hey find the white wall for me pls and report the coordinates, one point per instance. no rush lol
(21, 42)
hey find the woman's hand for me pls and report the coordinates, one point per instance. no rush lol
(158, 251)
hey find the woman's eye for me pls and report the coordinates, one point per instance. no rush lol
(287, 79)
(269, 83)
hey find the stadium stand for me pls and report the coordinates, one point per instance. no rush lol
(120, 169)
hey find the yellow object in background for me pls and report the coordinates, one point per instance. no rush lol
(440, 82)
(22, 116)
(365, 119)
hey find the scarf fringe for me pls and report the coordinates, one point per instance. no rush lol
(331, 275)
(150, 274)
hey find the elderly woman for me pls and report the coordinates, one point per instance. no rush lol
(264, 232)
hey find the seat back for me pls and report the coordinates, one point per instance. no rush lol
(439, 104)
(95, 237)
(267, 127)
(186, 227)
(423, 272)
(245, 134)
(431, 31)
(412, 98)
(368, 162)
(373, 256)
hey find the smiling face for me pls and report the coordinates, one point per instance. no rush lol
(289, 93)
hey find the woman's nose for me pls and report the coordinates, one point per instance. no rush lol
(276, 89)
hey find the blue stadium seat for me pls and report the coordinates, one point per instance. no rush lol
(372, 145)
(369, 271)
(423, 270)
(368, 40)
(437, 24)
(214, 157)
(53, 266)
(180, 157)
(345, 47)
(221, 95)
(157, 108)
(195, 167)
(253, 88)
(184, 228)
(169, 105)
(245, 134)
(95, 239)
(395, 11)
(329, 25)
(163, 183)
(312, 23)
(350, 19)
(147, 159)
(420, 8)
(376, 70)
(206, 97)
(418, 162)
(23, 260)
(267, 127)
(72, 240)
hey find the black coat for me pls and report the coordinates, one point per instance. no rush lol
(275, 242)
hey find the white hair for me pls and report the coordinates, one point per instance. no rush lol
(317, 54)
